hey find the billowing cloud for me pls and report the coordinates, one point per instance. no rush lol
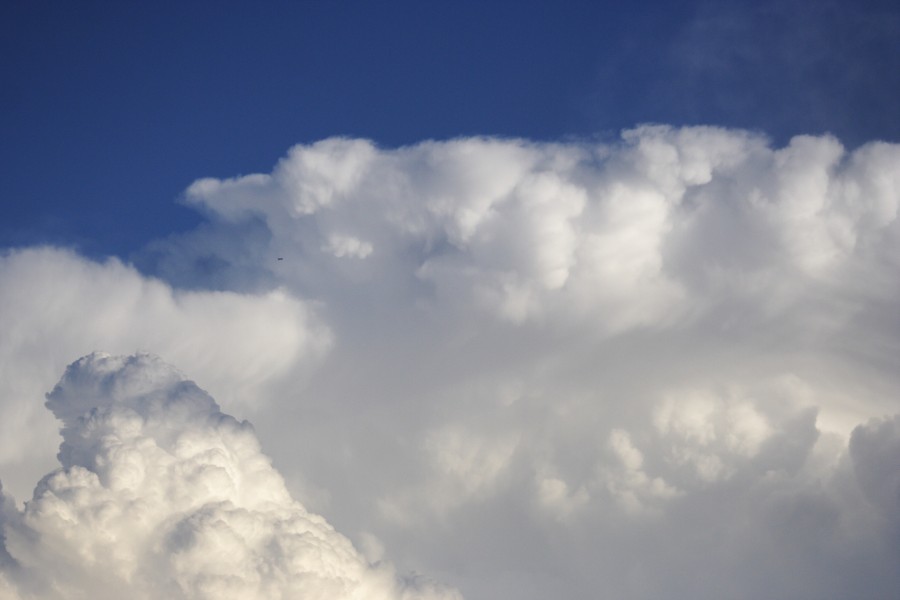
(662, 229)
(664, 366)
(57, 305)
(160, 494)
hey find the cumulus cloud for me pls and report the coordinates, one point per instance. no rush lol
(646, 368)
(58, 305)
(160, 494)
(661, 335)
(642, 232)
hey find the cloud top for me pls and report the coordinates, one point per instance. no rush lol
(658, 228)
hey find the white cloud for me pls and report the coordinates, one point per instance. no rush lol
(626, 480)
(347, 246)
(161, 494)
(669, 222)
(536, 370)
(57, 306)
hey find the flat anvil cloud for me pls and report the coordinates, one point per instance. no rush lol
(661, 367)
(160, 495)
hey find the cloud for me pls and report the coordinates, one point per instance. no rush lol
(58, 305)
(161, 494)
(643, 341)
(874, 449)
(645, 368)
(639, 231)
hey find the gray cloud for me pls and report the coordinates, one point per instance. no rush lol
(874, 448)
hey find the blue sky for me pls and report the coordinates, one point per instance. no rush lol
(110, 109)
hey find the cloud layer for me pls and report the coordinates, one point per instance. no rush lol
(662, 366)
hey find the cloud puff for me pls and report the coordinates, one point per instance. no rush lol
(160, 494)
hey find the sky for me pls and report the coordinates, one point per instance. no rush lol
(481, 300)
